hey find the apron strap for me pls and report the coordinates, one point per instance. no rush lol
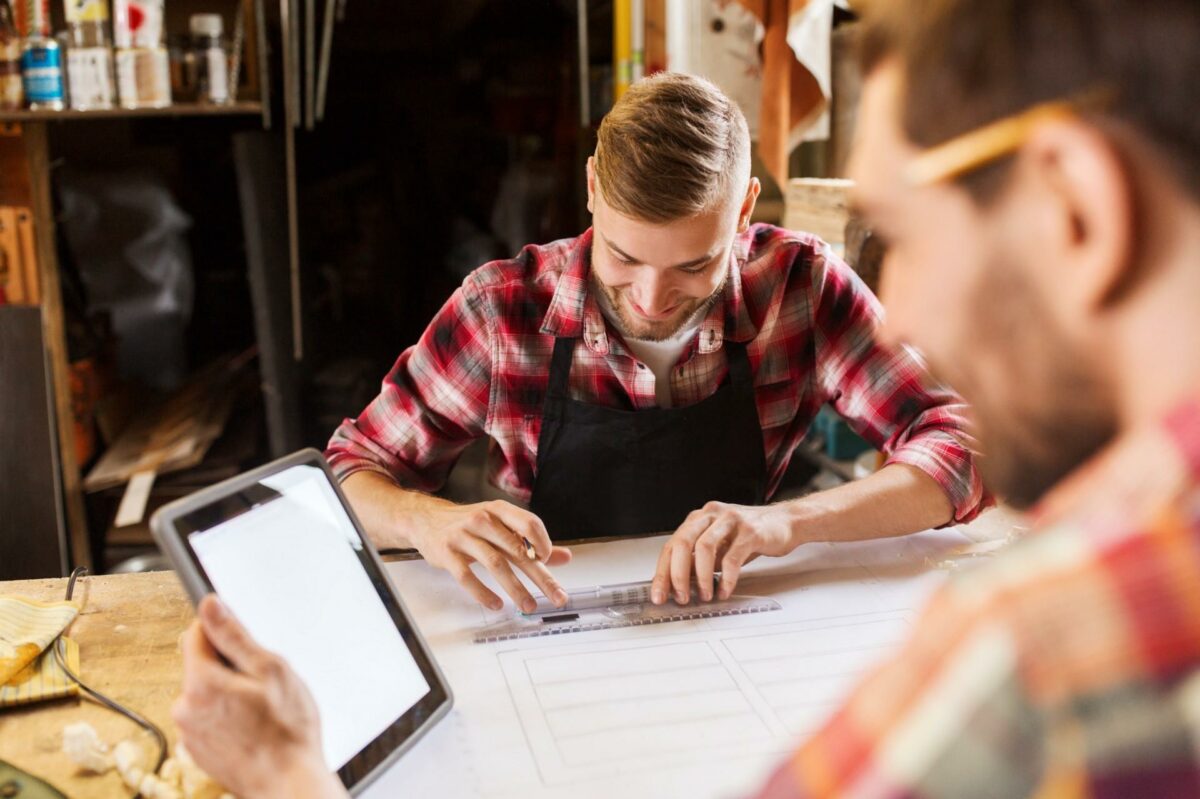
(560, 366)
(739, 363)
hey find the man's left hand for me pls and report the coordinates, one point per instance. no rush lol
(720, 537)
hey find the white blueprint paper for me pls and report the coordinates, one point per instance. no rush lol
(703, 708)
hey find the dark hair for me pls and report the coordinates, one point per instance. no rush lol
(969, 62)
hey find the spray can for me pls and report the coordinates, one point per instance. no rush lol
(89, 57)
(42, 73)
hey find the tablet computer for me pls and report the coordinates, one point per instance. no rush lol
(283, 550)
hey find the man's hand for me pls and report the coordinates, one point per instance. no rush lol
(254, 727)
(896, 500)
(492, 534)
(452, 537)
(720, 537)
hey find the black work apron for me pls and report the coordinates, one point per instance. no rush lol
(607, 472)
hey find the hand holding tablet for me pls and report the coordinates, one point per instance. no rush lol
(257, 704)
(282, 549)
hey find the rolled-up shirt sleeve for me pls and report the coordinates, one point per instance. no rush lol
(433, 403)
(887, 395)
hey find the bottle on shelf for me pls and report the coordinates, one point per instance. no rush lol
(89, 54)
(42, 74)
(12, 90)
(211, 58)
(41, 57)
(143, 67)
(183, 68)
(32, 18)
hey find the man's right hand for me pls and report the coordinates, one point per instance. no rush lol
(452, 537)
(492, 534)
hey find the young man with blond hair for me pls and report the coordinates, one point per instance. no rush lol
(654, 374)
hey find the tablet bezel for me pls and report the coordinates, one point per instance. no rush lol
(371, 761)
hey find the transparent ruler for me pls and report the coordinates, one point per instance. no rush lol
(608, 607)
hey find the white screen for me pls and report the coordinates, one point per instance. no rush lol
(289, 570)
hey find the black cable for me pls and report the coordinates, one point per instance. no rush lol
(136, 718)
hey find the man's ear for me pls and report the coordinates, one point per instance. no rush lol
(747, 209)
(591, 184)
(1087, 213)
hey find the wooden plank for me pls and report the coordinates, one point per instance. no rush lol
(128, 635)
(818, 205)
(250, 58)
(14, 174)
(177, 433)
(35, 542)
(240, 108)
(847, 86)
(864, 252)
(54, 333)
(262, 57)
(656, 36)
(12, 271)
(28, 260)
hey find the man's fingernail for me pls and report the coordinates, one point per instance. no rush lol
(495, 604)
(656, 596)
(218, 608)
(560, 597)
(528, 605)
(681, 597)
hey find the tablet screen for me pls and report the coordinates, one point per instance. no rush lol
(287, 560)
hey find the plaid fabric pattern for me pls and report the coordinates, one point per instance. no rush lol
(482, 367)
(1067, 667)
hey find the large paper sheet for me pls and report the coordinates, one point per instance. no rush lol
(700, 708)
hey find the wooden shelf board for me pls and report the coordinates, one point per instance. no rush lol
(245, 108)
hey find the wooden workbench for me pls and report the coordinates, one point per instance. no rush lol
(128, 634)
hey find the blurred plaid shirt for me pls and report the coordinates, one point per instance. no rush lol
(482, 367)
(1067, 667)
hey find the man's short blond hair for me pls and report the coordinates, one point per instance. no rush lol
(673, 146)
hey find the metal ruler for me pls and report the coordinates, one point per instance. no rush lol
(578, 620)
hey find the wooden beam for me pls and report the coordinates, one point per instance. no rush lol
(656, 36)
(847, 86)
(54, 333)
(818, 205)
(30, 496)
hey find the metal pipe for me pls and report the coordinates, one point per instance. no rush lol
(585, 100)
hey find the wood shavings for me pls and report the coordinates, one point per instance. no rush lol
(128, 758)
(152, 787)
(85, 749)
(195, 782)
(170, 770)
(179, 777)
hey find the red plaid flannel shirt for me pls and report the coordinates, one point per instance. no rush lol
(1067, 667)
(482, 366)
